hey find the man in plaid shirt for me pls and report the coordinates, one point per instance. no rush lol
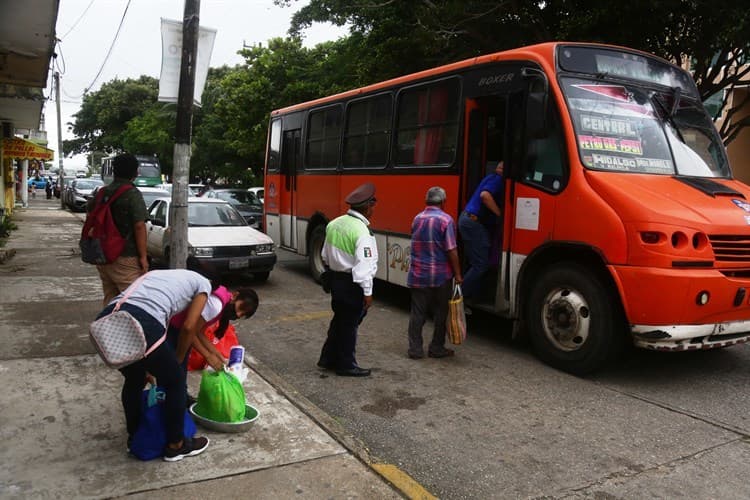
(434, 262)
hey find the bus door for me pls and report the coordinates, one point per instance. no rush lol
(290, 161)
(489, 126)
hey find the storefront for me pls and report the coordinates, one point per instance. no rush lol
(16, 154)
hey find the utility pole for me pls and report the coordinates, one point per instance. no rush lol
(61, 172)
(180, 174)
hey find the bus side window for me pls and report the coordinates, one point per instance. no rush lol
(545, 164)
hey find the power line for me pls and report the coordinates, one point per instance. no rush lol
(109, 52)
(79, 19)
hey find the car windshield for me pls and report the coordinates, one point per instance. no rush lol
(628, 128)
(88, 184)
(213, 214)
(240, 198)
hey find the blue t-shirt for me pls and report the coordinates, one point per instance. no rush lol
(493, 183)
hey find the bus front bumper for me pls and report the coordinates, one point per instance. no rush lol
(690, 337)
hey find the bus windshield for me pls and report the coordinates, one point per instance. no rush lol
(633, 128)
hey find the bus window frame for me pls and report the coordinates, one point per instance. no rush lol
(456, 161)
(306, 137)
(388, 158)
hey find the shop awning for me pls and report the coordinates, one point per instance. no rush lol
(21, 149)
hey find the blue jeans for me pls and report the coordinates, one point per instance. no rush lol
(477, 250)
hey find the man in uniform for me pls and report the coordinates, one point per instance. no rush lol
(129, 214)
(350, 254)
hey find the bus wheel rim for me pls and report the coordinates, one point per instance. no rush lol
(566, 319)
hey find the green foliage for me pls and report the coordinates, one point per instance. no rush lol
(152, 133)
(104, 115)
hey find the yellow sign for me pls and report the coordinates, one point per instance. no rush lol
(21, 149)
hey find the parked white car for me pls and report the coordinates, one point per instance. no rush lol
(150, 194)
(259, 192)
(219, 240)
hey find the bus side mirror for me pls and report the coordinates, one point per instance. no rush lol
(536, 102)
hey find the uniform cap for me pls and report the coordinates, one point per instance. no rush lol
(361, 195)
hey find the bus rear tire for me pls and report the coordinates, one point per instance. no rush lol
(315, 261)
(574, 320)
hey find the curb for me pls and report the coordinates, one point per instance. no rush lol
(395, 477)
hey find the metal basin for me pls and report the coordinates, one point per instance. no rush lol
(251, 415)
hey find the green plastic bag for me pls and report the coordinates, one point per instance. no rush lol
(221, 397)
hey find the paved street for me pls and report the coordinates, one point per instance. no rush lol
(494, 422)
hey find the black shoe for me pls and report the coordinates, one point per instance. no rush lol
(442, 354)
(354, 372)
(415, 356)
(190, 448)
(326, 366)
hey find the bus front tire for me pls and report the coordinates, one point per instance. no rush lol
(574, 321)
(315, 261)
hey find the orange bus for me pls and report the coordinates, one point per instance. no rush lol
(621, 221)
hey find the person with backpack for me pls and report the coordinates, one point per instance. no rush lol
(129, 215)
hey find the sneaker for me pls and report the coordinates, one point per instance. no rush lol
(130, 443)
(190, 448)
(418, 355)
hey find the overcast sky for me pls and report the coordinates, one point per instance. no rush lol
(87, 28)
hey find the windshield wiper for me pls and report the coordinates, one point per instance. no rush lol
(669, 114)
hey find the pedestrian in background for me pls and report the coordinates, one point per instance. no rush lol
(477, 224)
(350, 254)
(129, 214)
(433, 266)
(48, 188)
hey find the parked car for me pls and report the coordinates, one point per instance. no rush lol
(150, 194)
(196, 189)
(59, 191)
(39, 182)
(219, 240)
(259, 192)
(244, 201)
(79, 192)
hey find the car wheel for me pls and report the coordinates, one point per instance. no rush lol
(315, 261)
(262, 276)
(575, 321)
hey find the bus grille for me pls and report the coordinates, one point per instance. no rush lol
(730, 247)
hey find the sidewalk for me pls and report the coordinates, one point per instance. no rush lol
(61, 421)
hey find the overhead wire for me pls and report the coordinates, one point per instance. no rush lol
(109, 52)
(79, 19)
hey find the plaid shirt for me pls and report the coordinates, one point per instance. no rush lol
(433, 235)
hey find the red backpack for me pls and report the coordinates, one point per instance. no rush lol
(101, 241)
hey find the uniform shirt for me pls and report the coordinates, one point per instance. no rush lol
(350, 247)
(433, 235)
(493, 184)
(164, 293)
(126, 210)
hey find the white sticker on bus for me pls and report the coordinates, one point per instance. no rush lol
(527, 214)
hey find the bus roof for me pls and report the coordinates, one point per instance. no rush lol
(539, 52)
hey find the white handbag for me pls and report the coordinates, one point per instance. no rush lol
(119, 338)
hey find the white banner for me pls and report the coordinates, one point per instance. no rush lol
(171, 59)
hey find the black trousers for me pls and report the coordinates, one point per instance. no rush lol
(162, 364)
(347, 302)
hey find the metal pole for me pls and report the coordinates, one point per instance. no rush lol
(181, 171)
(61, 172)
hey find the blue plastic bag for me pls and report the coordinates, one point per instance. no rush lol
(151, 437)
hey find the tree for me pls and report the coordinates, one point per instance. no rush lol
(104, 115)
(152, 133)
(408, 36)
